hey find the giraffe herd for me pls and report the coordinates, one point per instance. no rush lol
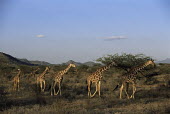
(95, 77)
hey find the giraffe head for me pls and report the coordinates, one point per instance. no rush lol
(72, 65)
(47, 68)
(150, 62)
(19, 71)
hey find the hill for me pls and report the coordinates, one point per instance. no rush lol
(89, 63)
(164, 61)
(39, 62)
(35, 62)
(8, 59)
(73, 62)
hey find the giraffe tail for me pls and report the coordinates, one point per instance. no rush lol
(117, 86)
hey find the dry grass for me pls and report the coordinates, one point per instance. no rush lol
(152, 98)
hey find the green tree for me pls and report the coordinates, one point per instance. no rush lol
(124, 61)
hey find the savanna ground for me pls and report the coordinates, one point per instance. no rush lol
(152, 96)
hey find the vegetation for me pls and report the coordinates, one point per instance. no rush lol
(152, 94)
(125, 61)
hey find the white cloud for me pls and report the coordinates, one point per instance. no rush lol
(115, 38)
(40, 36)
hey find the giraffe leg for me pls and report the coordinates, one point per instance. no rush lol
(15, 85)
(43, 86)
(126, 90)
(60, 88)
(37, 83)
(99, 87)
(121, 88)
(134, 90)
(132, 93)
(95, 91)
(54, 85)
(89, 92)
(18, 86)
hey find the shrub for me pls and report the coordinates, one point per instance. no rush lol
(164, 68)
(3, 98)
(167, 80)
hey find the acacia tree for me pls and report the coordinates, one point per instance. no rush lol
(124, 61)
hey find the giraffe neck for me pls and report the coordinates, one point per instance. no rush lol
(19, 72)
(105, 68)
(139, 68)
(42, 75)
(36, 70)
(64, 71)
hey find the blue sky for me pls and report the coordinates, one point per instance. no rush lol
(83, 30)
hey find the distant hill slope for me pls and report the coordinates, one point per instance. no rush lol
(73, 62)
(39, 62)
(35, 62)
(8, 59)
(90, 63)
(164, 61)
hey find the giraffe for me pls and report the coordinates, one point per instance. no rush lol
(130, 77)
(16, 80)
(141, 67)
(58, 77)
(41, 80)
(34, 72)
(96, 78)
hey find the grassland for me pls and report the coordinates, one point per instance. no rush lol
(152, 94)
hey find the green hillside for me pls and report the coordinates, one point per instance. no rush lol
(8, 59)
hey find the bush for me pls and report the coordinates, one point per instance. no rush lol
(82, 68)
(167, 80)
(3, 98)
(164, 68)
